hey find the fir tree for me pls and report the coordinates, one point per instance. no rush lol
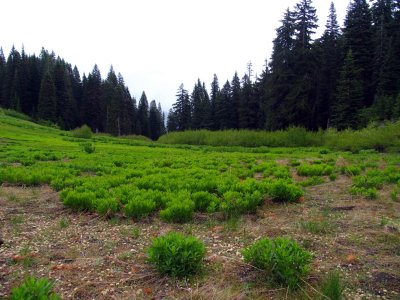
(47, 107)
(154, 121)
(235, 100)
(182, 109)
(143, 116)
(349, 96)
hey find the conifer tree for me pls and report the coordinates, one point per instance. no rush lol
(215, 98)
(349, 96)
(143, 116)
(47, 107)
(224, 107)
(93, 110)
(358, 35)
(182, 109)
(154, 121)
(235, 100)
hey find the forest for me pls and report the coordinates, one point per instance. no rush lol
(50, 90)
(347, 78)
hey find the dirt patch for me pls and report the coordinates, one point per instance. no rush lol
(92, 257)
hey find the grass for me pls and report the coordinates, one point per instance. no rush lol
(229, 197)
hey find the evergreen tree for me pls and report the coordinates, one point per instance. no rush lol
(182, 109)
(349, 96)
(330, 59)
(215, 98)
(172, 121)
(11, 81)
(224, 107)
(154, 121)
(236, 101)
(47, 107)
(142, 124)
(197, 104)
(93, 110)
(2, 74)
(358, 35)
(282, 74)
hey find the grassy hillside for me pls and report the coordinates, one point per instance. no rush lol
(95, 205)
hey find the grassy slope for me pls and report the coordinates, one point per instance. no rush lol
(362, 242)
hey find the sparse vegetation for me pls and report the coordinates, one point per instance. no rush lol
(34, 289)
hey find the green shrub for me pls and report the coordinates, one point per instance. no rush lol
(176, 255)
(83, 132)
(88, 148)
(204, 201)
(332, 287)
(79, 199)
(106, 206)
(282, 258)
(236, 203)
(281, 191)
(351, 170)
(179, 210)
(314, 170)
(34, 289)
(369, 193)
(139, 207)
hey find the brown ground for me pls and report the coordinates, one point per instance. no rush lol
(93, 258)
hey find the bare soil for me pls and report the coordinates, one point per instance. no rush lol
(90, 257)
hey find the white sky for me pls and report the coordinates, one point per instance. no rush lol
(155, 44)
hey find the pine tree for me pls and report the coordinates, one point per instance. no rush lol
(172, 121)
(236, 100)
(224, 107)
(11, 85)
(215, 98)
(182, 109)
(93, 109)
(143, 116)
(197, 104)
(154, 121)
(358, 35)
(349, 96)
(282, 74)
(330, 59)
(47, 107)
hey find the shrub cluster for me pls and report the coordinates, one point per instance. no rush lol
(176, 255)
(281, 191)
(282, 258)
(32, 288)
(83, 132)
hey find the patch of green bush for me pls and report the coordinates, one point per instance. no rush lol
(83, 132)
(369, 193)
(176, 255)
(281, 191)
(139, 207)
(205, 202)
(88, 148)
(281, 258)
(314, 180)
(34, 289)
(235, 203)
(314, 170)
(78, 199)
(179, 210)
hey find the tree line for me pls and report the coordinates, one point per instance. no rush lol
(347, 78)
(47, 88)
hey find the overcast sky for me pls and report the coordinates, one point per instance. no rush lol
(155, 44)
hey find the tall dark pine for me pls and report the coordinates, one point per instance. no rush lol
(358, 37)
(93, 110)
(300, 102)
(47, 107)
(182, 109)
(172, 120)
(349, 96)
(215, 98)
(282, 74)
(330, 61)
(236, 100)
(154, 121)
(224, 107)
(11, 86)
(198, 107)
(143, 116)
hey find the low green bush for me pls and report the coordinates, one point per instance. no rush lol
(79, 199)
(235, 203)
(176, 255)
(314, 180)
(281, 191)
(314, 170)
(281, 258)
(204, 201)
(88, 148)
(139, 207)
(83, 132)
(369, 193)
(179, 210)
(34, 289)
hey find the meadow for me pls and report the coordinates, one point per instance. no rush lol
(88, 207)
